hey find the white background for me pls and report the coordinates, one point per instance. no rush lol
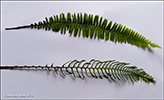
(39, 47)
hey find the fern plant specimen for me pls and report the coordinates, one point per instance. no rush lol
(91, 26)
(112, 69)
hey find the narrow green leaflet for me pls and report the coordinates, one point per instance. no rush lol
(110, 69)
(91, 26)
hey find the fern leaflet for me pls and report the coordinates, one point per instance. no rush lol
(91, 26)
(111, 69)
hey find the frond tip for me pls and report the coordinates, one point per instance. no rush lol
(110, 69)
(93, 27)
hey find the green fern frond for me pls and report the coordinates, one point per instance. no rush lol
(111, 69)
(91, 26)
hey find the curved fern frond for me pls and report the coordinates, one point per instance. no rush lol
(91, 26)
(111, 69)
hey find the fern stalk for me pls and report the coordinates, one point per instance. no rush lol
(91, 26)
(112, 69)
(19, 27)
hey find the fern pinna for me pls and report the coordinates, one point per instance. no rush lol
(93, 27)
(110, 69)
